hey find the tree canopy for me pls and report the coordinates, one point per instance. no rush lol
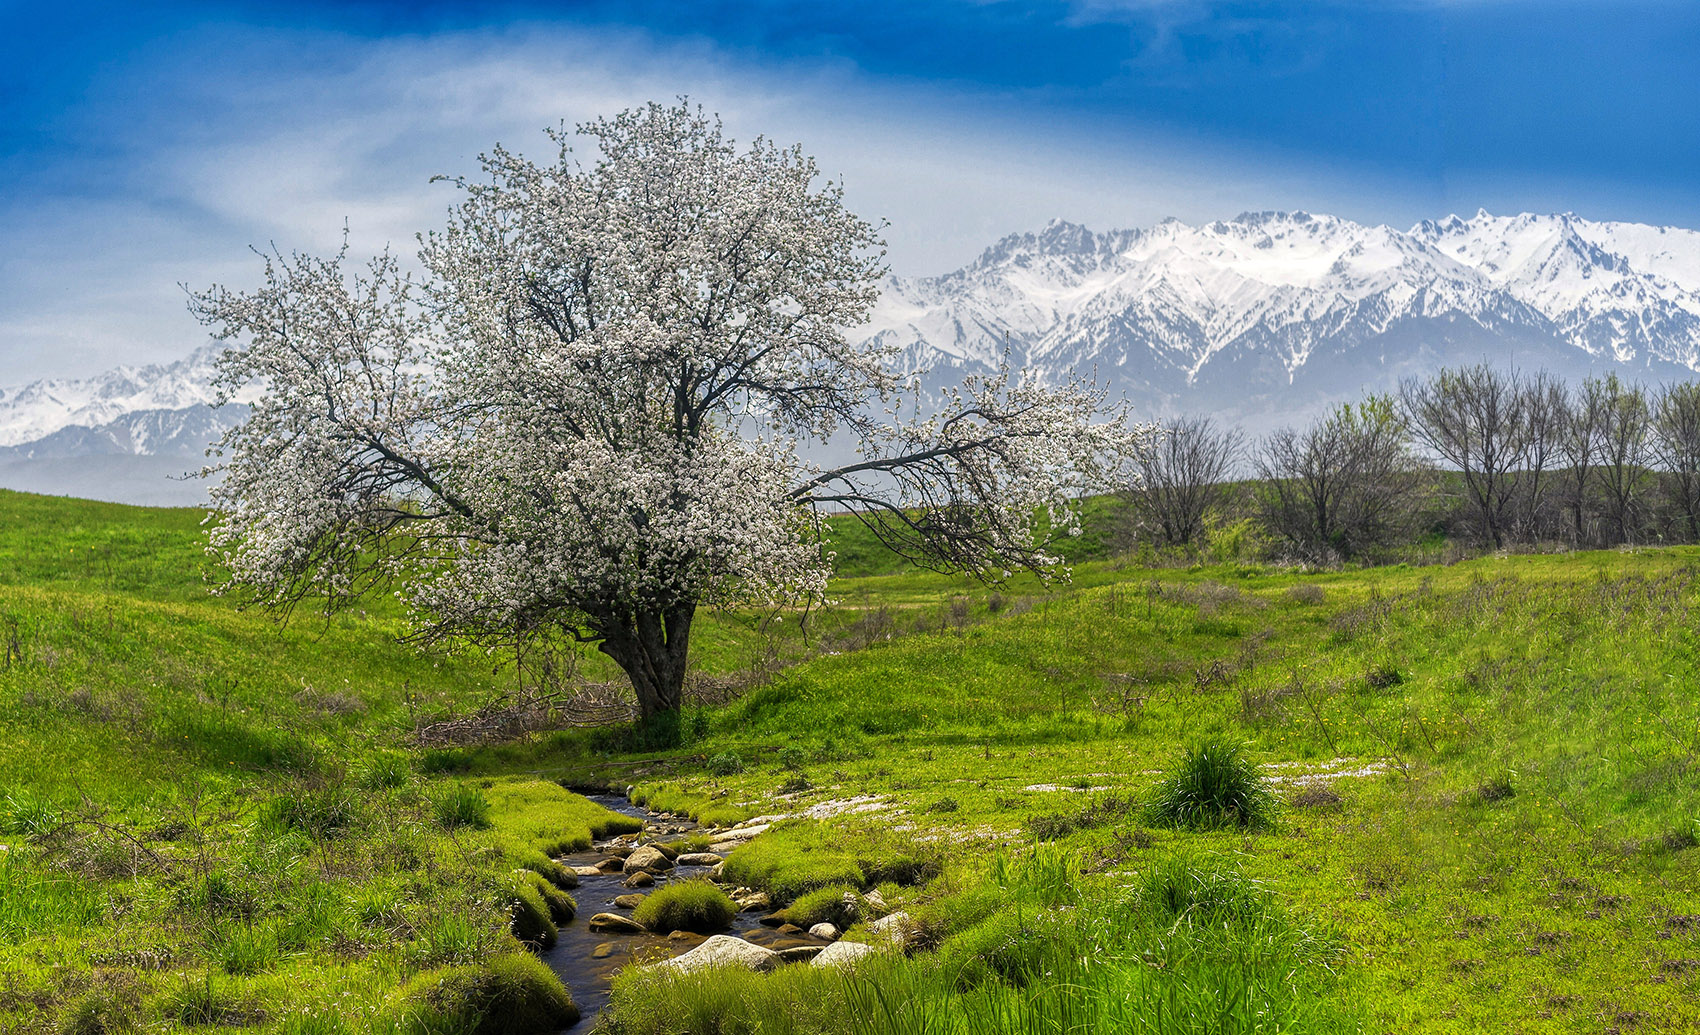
(592, 411)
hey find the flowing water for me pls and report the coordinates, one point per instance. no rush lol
(574, 958)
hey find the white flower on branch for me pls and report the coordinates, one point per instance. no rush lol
(547, 432)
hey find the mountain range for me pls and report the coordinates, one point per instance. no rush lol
(1269, 316)
(1262, 319)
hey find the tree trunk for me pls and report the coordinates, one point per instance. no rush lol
(651, 647)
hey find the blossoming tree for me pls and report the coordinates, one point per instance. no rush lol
(586, 414)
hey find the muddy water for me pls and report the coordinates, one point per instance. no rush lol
(574, 958)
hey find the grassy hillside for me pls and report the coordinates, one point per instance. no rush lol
(1486, 811)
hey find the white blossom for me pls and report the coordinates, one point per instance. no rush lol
(550, 430)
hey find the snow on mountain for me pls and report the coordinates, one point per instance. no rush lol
(1261, 319)
(39, 409)
(185, 432)
(1279, 312)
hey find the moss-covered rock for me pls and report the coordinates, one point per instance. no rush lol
(515, 994)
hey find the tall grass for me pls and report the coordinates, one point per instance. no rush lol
(1214, 785)
(1194, 950)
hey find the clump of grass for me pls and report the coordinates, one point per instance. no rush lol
(384, 771)
(1383, 676)
(529, 915)
(834, 905)
(205, 1002)
(319, 812)
(1307, 594)
(245, 951)
(562, 907)
(513, 993)
(1318, 797)
(693, 905)
(1214, 786)
(101, 1011)
(794, 858)
(727, 763)
(450, 938)
(1096, 813)
(218, 895)
(26, 813)
(944, 805)
(1495, 789)
(1680, 839)
(460, 805)
(445, 760)
(792, 759)
(1176, 888)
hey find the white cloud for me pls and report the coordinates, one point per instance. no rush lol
(292, 154)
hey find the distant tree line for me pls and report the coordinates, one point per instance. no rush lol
(1478, 455)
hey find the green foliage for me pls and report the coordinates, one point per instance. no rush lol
(533, 859)
(529, 914)
(727, 763)
(799, 856)
(25, 813)
(553, 820)
(1110, 962)
(792, 759)
(246, 950)
(459, 805)
(791, 859)
(384, 771)
(562, 908)
(453, 938)
(204, 1001)
(514, 994)
(1214, 785)
(823, 905)
(320, 812)
(692, 905)
(104, 1010)
(1564, 678)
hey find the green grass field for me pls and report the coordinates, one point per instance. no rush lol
(210, 819)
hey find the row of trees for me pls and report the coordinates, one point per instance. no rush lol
(1491, 456)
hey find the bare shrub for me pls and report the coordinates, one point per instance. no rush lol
(1307, 594)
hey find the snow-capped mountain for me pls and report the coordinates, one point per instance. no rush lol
(1269, 315)
(1261, 319)
(185, 432)
(108, 404)
(129, 435)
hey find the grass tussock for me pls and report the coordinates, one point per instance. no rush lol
(694, 905)
(1213, 786)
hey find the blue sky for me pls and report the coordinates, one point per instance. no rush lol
(143, 146)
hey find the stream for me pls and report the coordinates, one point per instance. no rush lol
(574, 958)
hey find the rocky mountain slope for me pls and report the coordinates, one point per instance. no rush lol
(1261, 319)
(1270, 315)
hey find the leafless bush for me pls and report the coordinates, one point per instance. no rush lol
(1184, 475)
(519, 714)
(1343, 485)
(1306, 594)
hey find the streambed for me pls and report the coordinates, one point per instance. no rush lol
(575, 956)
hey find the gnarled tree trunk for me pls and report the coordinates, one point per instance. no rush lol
(651, 647)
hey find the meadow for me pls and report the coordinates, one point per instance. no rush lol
(1484, 811)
